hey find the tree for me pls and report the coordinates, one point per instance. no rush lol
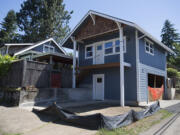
(41, 19)
(8, 28)
(169, 34)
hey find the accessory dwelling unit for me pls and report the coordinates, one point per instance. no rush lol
(117, 59)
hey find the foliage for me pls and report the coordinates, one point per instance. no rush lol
(9, 26)
(5, 62)
(173, 73)
(169, 34)
(43, 19)
(174, 61)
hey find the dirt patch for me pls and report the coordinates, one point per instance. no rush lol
(105, 109)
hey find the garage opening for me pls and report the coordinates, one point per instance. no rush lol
(155, 87)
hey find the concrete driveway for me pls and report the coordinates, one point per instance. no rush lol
(15, 120)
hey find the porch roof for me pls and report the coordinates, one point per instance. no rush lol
(56, 57)
(67, 42)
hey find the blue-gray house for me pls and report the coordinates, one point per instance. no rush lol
(45, 51)
(117, 59)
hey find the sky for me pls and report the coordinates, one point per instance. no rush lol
(149, 14)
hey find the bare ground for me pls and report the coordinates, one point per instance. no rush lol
(16, 120)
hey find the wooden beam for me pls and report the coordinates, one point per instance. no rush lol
(116, 64)
(95, 35)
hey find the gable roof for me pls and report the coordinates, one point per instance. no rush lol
(18, 44)
(38, 44)
(91, 12)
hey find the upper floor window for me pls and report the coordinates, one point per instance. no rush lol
(48, 49)
(149, 48)
(108, 47)
(117, 43)
(89, 51)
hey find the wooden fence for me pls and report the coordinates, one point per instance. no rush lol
(31, 73)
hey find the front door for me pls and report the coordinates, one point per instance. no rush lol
(98, 86)
(99, 57)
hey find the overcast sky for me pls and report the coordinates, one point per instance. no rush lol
(149, 14)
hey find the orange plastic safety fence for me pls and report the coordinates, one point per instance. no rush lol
(156, 93)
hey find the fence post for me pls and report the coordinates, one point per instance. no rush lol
(24, 65)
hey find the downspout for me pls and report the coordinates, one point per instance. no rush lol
(74, 63)
(121, 64)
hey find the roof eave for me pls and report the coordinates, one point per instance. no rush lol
(120, 21)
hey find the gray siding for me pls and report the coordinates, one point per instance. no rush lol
(158, 60)
(40, 48)
(154, 64)
(144, 70)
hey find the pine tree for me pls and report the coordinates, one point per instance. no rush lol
(41, 19)
(8, 28)
(169, 34)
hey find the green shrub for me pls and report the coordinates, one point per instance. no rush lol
(5, 63)
(173, 73)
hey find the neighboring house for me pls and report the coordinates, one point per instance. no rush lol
(178, 41)
(117, 59)
(46, 51)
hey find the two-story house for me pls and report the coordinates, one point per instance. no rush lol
(45, 51)
(119, 60)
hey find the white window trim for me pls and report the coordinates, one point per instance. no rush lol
(91, 45)
(113, 44)
(48, 48)
(103, 47)
(150, 43)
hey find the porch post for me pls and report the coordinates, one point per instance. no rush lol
(7, 49)
(121, 64)
(51, 60)
(74, 63)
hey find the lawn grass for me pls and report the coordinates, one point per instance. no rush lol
(139, 126)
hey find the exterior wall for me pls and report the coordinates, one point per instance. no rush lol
(112, 75)
(158, 60)
(89, 61)
(44, 95)
(154, 64)
(144, 70)
(40, 48)
(14, 49)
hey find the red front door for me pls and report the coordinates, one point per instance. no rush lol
(55, 80)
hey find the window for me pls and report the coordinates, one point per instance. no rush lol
(89, 51)
(99, 80)
(117, 43)
(108, 47)
(48, 49)
(149, 47)
(99, 47)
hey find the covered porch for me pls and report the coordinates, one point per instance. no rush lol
(92, 28)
